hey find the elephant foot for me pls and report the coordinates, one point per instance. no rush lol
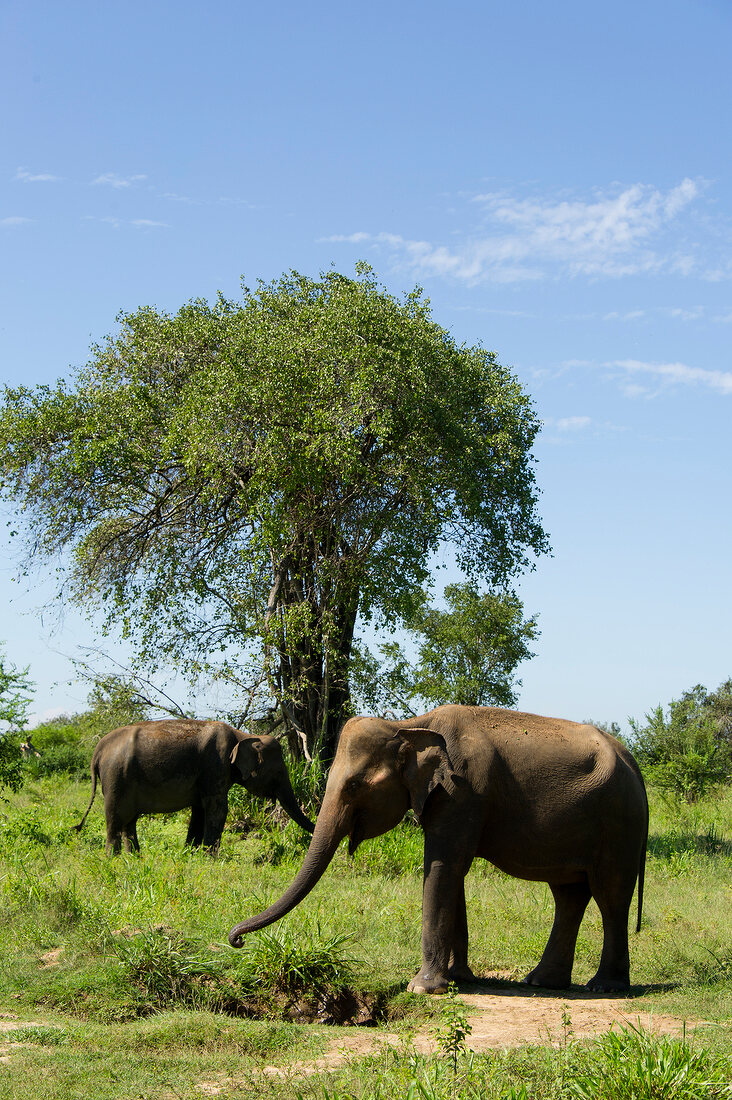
(428, 983)
(548, 979)
(599, 984)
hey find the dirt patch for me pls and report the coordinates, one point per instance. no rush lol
(53, 957)
(515, 1015)
(347, 1009)
(511, 1016)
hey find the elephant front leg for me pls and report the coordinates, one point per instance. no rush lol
(444, 925)
(555, 968)
(215, 810)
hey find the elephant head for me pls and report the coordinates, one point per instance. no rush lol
(380, 770)
(258, 765)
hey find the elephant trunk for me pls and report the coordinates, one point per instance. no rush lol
(289, 804)
(329, 831)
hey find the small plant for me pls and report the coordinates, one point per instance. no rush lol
(454, 1028)
(289, 961)
(166, 969)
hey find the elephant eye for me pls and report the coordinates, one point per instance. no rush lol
(351, 786)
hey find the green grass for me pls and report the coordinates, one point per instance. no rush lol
(123, 970)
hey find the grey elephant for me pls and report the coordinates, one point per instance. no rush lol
(160, 767)
(540, 798)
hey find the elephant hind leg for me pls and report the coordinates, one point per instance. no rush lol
(195, 827)
(613, 973)
(554, 970)
(129, 836)
(121, 834)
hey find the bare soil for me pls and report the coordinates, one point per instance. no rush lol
(509, 1016)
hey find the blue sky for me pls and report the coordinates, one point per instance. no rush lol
(557, 177)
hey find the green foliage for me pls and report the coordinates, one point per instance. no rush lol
(166, 969)
(454, 1028)
(465, 654)
(688, 751)
(631, 1064)
(289, 960)
(237, 483)
(15, 698)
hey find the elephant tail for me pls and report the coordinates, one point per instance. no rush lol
(642, 864)
(94, 776)
(641, 880)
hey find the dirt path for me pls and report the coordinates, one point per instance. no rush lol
(500, 1018)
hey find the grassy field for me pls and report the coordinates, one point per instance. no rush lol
(120, 972)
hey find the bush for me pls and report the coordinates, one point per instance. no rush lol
(14, 702)
(635, 1065)
(687, 752)
(166, 969)
(289, 961)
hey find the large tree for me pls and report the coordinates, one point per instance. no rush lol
(238, 483)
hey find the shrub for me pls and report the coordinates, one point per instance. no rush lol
(635, 1065)
(686, 752)
(166, 969)
(289, 961)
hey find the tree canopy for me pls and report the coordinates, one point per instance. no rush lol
(239, 482)
(465, 653)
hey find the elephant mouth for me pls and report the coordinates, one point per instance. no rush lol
(355, 836)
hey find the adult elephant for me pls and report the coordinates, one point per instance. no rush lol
(159, 767)
(541, 798)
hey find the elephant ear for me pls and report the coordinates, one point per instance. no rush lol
(425, 765)
(247, 756)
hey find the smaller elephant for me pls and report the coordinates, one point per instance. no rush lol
(164, 766)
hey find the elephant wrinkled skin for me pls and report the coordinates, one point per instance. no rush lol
(160, 767)
(540, 798)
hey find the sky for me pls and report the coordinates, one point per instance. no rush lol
(558, 179)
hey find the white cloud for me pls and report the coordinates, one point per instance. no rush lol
(609, 235)
(15, 221)
(350, 238)
(24, 176)
(138, 223)
(109, 220)
(695, 314)
(676, 374)
(111, 179)
(573, 423)
(172, 196)
(631, 315)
